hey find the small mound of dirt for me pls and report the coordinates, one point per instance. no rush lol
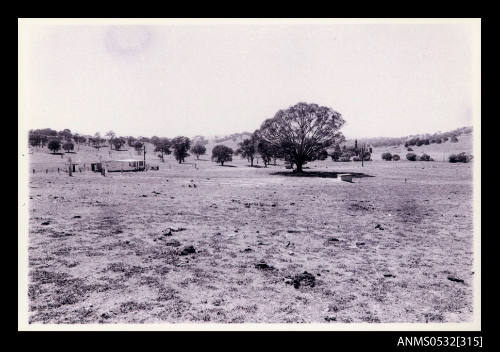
(173, 243)
(263, 266)
(331, 241)
(187, 250)
(304, 279)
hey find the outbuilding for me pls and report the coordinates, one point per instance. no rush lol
(125, 165)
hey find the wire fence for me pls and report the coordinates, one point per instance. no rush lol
(84, 168)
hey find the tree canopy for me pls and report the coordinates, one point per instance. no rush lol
(303, 132)
(181, 147)
(54, 145)
(247, 149)
(162, 145)
(222, 153)
(198, 149)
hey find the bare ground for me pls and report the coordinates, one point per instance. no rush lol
(382, 249)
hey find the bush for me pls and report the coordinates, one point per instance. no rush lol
(345, 158)
(348, 154)
(395, 157)
(367, 156)
(411, 156)
(356, 158)
(387, 156)
(409, 149)
(454, 139)
(460, 158)
(425, 157)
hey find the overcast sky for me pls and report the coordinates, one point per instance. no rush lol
(216, 79)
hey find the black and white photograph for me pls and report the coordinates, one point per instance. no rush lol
(249, 173)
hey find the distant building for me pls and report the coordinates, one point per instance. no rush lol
(118, 165)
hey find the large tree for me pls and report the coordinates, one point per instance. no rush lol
(247, 149)
(67, 146)
(198, 149)
(131, 141)
(65, 134)
(266, 151)
(54, 145)
(35, 139)
(118, 142)
(162, 145)
(222, 153)
(181, 147)
(111, 136)
(303, 132)
(138, 147)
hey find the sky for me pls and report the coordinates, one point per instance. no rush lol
(218, 78)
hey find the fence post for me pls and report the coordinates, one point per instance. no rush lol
(33, 171)
(46, 171)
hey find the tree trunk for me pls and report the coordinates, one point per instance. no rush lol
(222, 163)
(299, 167)
(251, 161)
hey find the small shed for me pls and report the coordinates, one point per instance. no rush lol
(125, 165)
(96, 167)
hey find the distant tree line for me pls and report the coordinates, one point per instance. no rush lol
(417, 140)
(298, 134)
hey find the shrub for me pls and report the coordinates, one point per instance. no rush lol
(356, 158)
(348, 154)
(445, 139)
(387, 156)
(420, 142)
(395, 157)
(367, 156)
(425, 157)
(454, 139)
(460, 158)
(411, 156)
(345, 158)
(409, 149)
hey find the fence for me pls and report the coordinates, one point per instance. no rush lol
(43, 168)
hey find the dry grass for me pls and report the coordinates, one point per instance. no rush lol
(111, 251)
